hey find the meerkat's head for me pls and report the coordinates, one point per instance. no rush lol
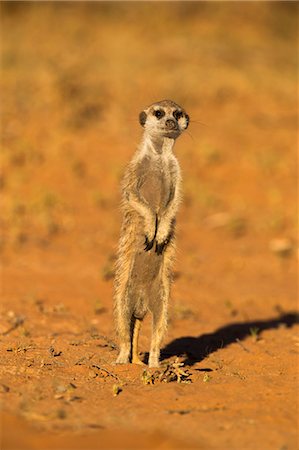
(164, 119)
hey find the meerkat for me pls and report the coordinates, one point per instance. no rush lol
(151, 193)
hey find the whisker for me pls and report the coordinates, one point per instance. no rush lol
(200, 123)
(189, 134)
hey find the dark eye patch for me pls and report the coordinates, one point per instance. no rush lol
(177, 114)
(159, 113)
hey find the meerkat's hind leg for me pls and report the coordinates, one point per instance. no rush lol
(136, 329)
(124, 330)
(159, 328)
(159, 312)
(124, 353)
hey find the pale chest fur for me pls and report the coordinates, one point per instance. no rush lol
(156, 180)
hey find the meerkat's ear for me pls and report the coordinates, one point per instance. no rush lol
(142, 118)
(187, 120)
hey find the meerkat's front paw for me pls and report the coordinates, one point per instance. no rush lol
(160, 247)
(164, 235)
(150, 233)
(148, 244)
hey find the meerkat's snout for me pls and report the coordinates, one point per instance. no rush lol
(171, 124)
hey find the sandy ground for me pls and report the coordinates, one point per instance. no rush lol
(74, 78)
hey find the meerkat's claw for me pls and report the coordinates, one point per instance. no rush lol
(148, 244)
(161, 247)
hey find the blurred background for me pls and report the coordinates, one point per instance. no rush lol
(75, 76)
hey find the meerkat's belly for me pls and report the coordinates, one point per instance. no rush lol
(144, 267)
(156, 189)
(145, 281)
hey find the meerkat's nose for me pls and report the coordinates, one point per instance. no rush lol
(171, 124)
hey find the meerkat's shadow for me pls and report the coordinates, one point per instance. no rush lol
(195, 349)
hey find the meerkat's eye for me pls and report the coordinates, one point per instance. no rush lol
(177, 114)
(159, 113)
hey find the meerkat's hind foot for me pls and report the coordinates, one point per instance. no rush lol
(153, 362)
(137, 360)
(124, 354)
(122, 359)
(154, 365)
